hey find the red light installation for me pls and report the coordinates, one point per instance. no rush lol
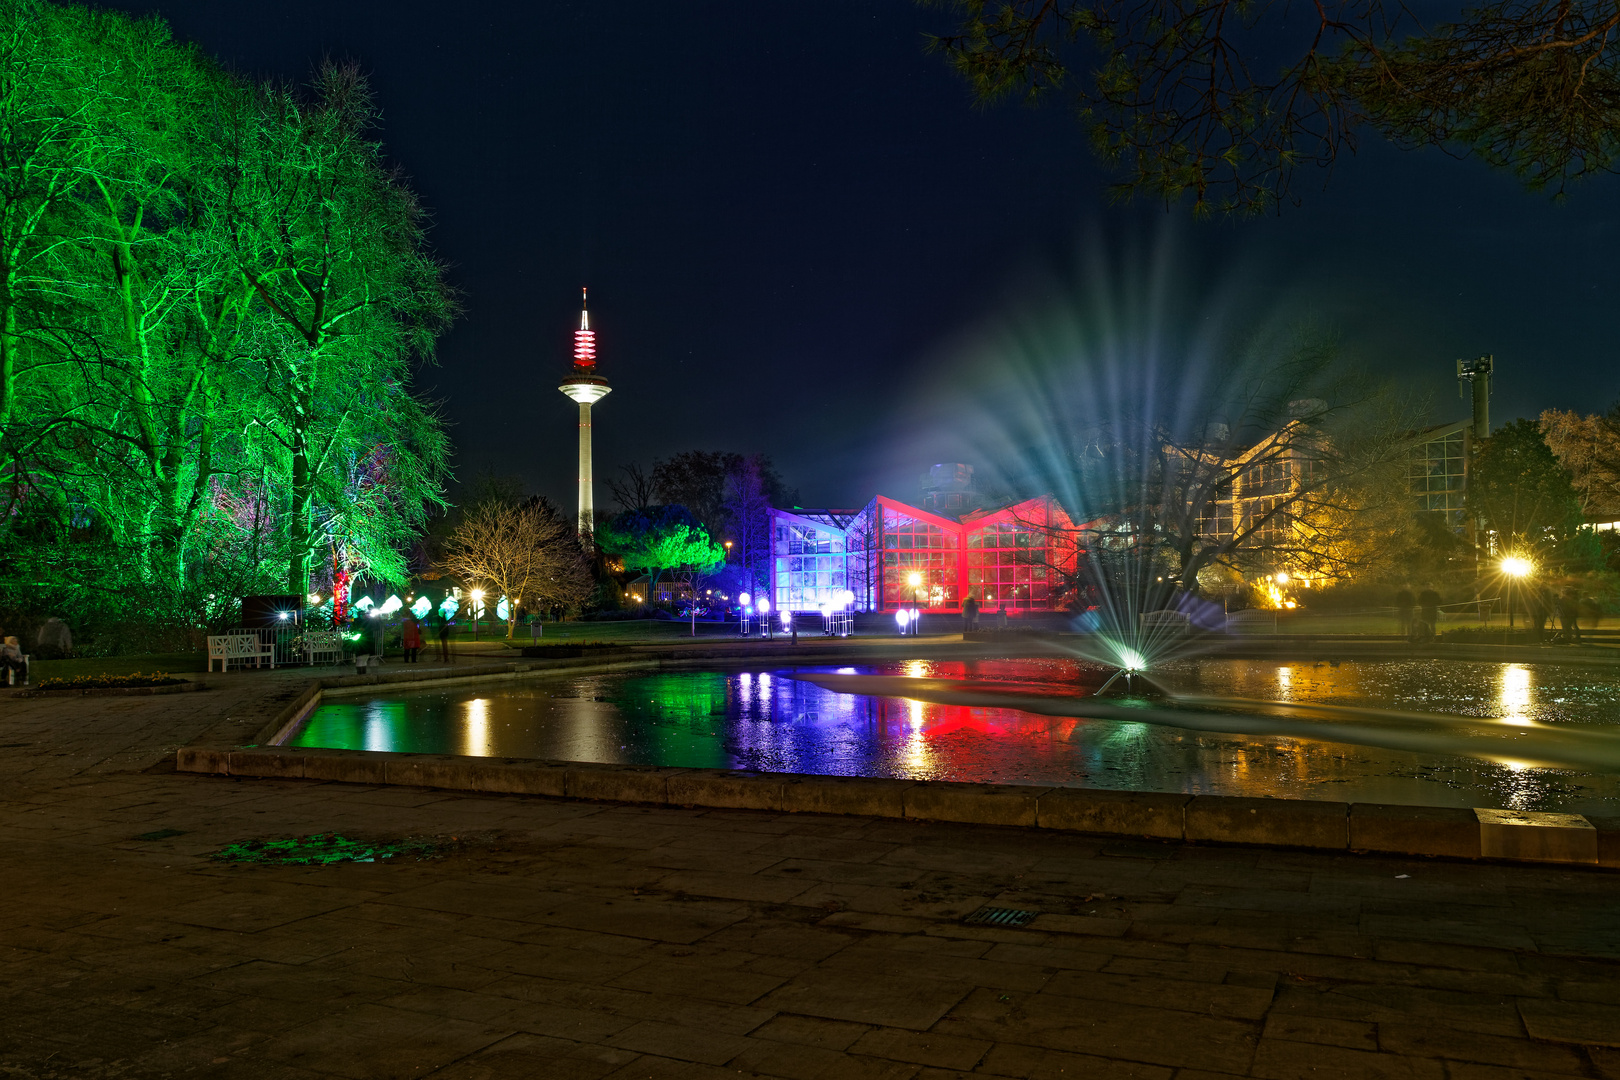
(584, 337)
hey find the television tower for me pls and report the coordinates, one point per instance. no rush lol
(587, 388)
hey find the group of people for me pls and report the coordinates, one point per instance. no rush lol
(1540, 607)
(412, 638)
(1427, 621)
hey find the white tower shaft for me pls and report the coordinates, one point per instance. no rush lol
(587, 508)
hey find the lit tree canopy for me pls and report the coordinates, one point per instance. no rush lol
(213, 294)
(1522, 494)
(1589, 447)
(527, 552)
(1224, 99)
(660, 539)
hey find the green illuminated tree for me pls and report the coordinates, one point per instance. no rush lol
(658, 540)
(163, 307)
(212, 297)
(331, 244)
(47, 99)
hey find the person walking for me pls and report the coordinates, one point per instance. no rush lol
(444, 638)
(410, 639)
(1404, 603)
(1569, 616)
(970, 615)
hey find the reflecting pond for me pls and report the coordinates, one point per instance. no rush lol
(768, 720)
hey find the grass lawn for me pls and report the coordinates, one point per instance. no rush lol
(617, 633)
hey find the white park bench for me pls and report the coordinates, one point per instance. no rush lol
(241, 648)
(323, 647)
(1165, 619)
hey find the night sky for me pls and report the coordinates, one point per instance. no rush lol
(792, 220)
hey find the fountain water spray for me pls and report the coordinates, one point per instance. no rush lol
(1194, 442)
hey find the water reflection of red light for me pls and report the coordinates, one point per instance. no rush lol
(903, 717)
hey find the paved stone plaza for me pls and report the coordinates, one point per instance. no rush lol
(584, 940)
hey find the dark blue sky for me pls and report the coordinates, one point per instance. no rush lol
(789, 216)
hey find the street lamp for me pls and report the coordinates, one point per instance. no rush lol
(916, 581)
(477, 602)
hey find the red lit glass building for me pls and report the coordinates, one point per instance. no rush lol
(891, 555)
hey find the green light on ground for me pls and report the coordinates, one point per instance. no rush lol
(322, 849)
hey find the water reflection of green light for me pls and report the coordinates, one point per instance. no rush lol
(678, 717)
(1126, 734)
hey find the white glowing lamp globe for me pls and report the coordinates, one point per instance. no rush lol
(786, 616)
(764, 606)
(902, 617)
(826, 610)
(847, 598)
(745, 599)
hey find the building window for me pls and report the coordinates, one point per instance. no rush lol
(1008, 564)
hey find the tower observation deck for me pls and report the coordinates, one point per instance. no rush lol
(585, 387)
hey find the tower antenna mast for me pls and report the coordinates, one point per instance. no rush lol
(585, 387)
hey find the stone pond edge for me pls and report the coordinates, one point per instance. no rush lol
(1373, 828)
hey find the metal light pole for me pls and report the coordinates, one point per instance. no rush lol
(1516, 569)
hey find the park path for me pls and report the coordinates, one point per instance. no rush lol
(585, 940)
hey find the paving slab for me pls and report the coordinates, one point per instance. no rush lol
(803, 941)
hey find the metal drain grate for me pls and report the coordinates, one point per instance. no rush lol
(999, 916)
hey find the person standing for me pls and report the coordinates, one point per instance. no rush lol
(410, 639)
(970, 615)
(444, 638)
(1536, 613)
(1404, 603)
(55, 638)
(1428, 614)
(1569, 615)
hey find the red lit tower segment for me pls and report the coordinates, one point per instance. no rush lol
(586, 388)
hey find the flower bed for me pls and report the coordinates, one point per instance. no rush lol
(110, 682)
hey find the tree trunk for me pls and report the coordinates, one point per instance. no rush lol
(300, 527)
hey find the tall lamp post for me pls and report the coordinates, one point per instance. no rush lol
(1516, 569)
(915, 579)
(477, 602)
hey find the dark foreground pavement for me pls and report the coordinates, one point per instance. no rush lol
(585, 940)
